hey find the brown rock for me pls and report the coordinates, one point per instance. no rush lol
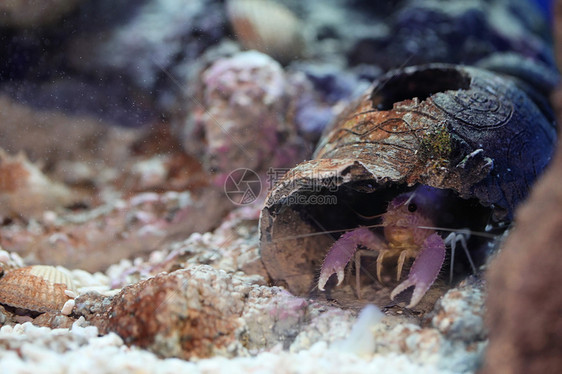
(92, 307)
(54, 321)
(188, 313)
(524, 303)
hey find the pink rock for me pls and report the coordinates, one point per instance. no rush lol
(244, 116)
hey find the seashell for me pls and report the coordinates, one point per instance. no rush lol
(450, 127)
(37, 288)
(268, 27)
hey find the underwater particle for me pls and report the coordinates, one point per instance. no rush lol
(268, 27)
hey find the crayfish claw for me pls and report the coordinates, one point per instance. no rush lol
(326, 273)
(419, 291)
(424, 270)
(342, 252)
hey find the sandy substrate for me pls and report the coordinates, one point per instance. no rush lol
(265, 329)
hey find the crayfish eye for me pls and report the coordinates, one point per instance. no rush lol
(412, 207)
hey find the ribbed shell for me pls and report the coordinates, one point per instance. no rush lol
(268, 27)
(37, 288)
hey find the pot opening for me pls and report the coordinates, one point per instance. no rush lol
(396, 87)
(303, 232)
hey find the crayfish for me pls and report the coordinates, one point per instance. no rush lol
(409, 232)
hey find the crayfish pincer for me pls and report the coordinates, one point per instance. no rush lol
(431, 150)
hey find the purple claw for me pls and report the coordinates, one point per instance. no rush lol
(425, 269)
(343, 250)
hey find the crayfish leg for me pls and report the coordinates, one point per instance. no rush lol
(452, 239)
(360, 253)
(401, 259)
(380, 259)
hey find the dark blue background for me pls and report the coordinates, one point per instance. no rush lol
(545, 5)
